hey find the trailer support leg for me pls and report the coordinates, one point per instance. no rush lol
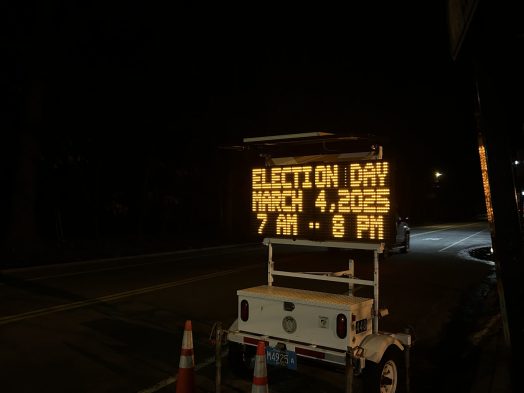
(218, 358)
(349, 370)
(407, 349)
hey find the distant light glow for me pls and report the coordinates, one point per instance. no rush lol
(517, 162)
(437, 174)
(485, 179)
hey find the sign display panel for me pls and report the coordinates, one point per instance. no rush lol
(345, 201)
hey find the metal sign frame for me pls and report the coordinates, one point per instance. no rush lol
(377, 249)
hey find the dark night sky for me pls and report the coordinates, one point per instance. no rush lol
(135, 83)
(213, 72)
(229, 73)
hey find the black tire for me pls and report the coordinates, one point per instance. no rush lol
(405, 246)
(241, 359)
(388, 376)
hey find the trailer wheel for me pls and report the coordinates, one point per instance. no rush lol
(241, 359)
(388, 376)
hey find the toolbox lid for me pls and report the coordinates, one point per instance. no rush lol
(304, 296)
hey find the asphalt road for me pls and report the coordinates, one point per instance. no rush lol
(116, 325)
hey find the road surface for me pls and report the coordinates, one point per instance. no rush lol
(116, 325)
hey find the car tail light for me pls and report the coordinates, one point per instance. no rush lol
(244, 310)
(342, 326)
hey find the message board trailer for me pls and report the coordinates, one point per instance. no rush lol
(337, 200)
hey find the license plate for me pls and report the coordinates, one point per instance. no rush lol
(279, 358)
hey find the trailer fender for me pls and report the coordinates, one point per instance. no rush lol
(231, 335)
(234, 326)
(375, 345)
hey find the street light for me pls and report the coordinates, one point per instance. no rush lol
(437, 175)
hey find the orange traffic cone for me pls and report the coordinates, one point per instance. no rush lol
(186, 370)
(260, 374)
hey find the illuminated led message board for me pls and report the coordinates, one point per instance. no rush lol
(346, 201)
